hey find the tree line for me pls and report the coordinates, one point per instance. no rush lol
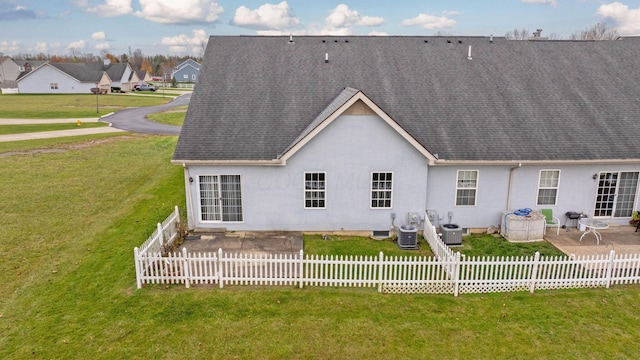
(155, 65)
(599, 31)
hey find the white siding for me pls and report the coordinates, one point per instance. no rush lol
(348, 151)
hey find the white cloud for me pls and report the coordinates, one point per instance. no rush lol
(628, 20)
(342, 16)
(100, 35)
(553, 3)
(76, 45)
(341, 21)
(181, 43)
(451, 13)
(9, 47)
(429, 22)
(266, 17)
(180, 12)
(103, 46)
(42, 47)
(111, 8)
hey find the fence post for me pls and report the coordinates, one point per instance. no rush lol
(456, 275)
(220, 277)
(185, 265)
(160, 234)
(612, 256)
(380, 271)
(301, 273)
(136, 260)
(534, 272)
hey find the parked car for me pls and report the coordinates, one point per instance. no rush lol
(146, 87)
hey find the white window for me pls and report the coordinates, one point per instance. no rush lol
(315, 190)
(220, 198)
(186, 76)
(54, 86)
(381, 190)
(193, 77)
(466, 187)
(548, 187)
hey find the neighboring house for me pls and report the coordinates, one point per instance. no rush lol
(9, 72)
(187, 71)
(143, 77)
(63, 78)
(121, 74)
(354, 133)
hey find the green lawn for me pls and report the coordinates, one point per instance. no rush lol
(71, 218)
(174, 116)
(28, 128)
(28, 106)
(489, 245)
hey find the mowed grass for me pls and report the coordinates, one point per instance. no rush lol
(31, 106)
(489, 245)
(358, 245)
(71, 218)
(28, 128)
(174, 116)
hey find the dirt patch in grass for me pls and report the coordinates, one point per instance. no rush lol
(67, 147)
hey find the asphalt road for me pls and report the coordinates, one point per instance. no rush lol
(134, 119)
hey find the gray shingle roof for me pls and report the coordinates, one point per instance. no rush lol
(79, 71)
(515, 100)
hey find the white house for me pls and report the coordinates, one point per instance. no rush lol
(356, 133)
(63, 78)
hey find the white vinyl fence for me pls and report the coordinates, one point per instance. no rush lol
(446, 273)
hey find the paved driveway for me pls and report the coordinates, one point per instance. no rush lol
(134, 119)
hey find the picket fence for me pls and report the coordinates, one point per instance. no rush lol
(445, 273)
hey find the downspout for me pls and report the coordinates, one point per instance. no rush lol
(510, 184)
(187, 183)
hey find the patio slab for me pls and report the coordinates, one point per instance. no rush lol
(268, 242)
(623, 239)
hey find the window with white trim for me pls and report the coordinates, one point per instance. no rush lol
(185, 76)
(548, 187)
(466, 187)
(381, 190)
(193, 77)
(54, 86)
(315, 190)
(220, 198)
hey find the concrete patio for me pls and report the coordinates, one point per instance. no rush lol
(266, 242)
(623, 239)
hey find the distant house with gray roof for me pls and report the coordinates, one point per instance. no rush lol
(9, 72)
(63, 78)
(354, 133)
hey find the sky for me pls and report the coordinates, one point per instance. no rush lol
(182, 27)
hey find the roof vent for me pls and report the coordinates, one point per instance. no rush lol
(469, 56)
(426, 41)
(324, 41)
(326, 58)
(291, 39)
(491, 38)
(346, 41)
(335, 41)
(448, 41)
(459, 41)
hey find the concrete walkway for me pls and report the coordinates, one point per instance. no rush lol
(57, 134)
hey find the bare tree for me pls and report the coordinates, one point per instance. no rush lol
(515, 34)
(599, 31)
